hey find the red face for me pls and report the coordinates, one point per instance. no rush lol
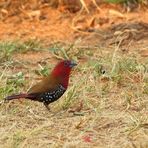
(62, 70)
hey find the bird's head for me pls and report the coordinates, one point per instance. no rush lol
(62, 71)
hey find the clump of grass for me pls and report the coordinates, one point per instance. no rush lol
(17, 80)
(71, 95)
(70, 51)
(11, 84)
(7, 48)
(17, 138)
(43, 71)
(115, 1)
(127, 1)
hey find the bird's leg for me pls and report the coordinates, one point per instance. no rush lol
(46, 105)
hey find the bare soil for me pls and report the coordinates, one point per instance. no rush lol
(51, 25)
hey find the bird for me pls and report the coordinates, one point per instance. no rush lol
(51, 87)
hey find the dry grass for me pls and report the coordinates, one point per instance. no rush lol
(107, 96)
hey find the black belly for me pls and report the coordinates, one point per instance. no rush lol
(49, 97)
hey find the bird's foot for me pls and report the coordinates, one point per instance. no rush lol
(46, 105)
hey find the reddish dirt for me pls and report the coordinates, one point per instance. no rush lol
(49, 24)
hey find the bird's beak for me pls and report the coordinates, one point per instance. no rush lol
(72, 64)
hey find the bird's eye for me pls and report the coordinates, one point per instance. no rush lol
(66, 63)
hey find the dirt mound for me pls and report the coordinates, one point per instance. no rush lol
(125, 32)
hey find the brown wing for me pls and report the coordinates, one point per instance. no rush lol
(46, 85)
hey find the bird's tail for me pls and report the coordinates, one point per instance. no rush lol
(16, 96)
